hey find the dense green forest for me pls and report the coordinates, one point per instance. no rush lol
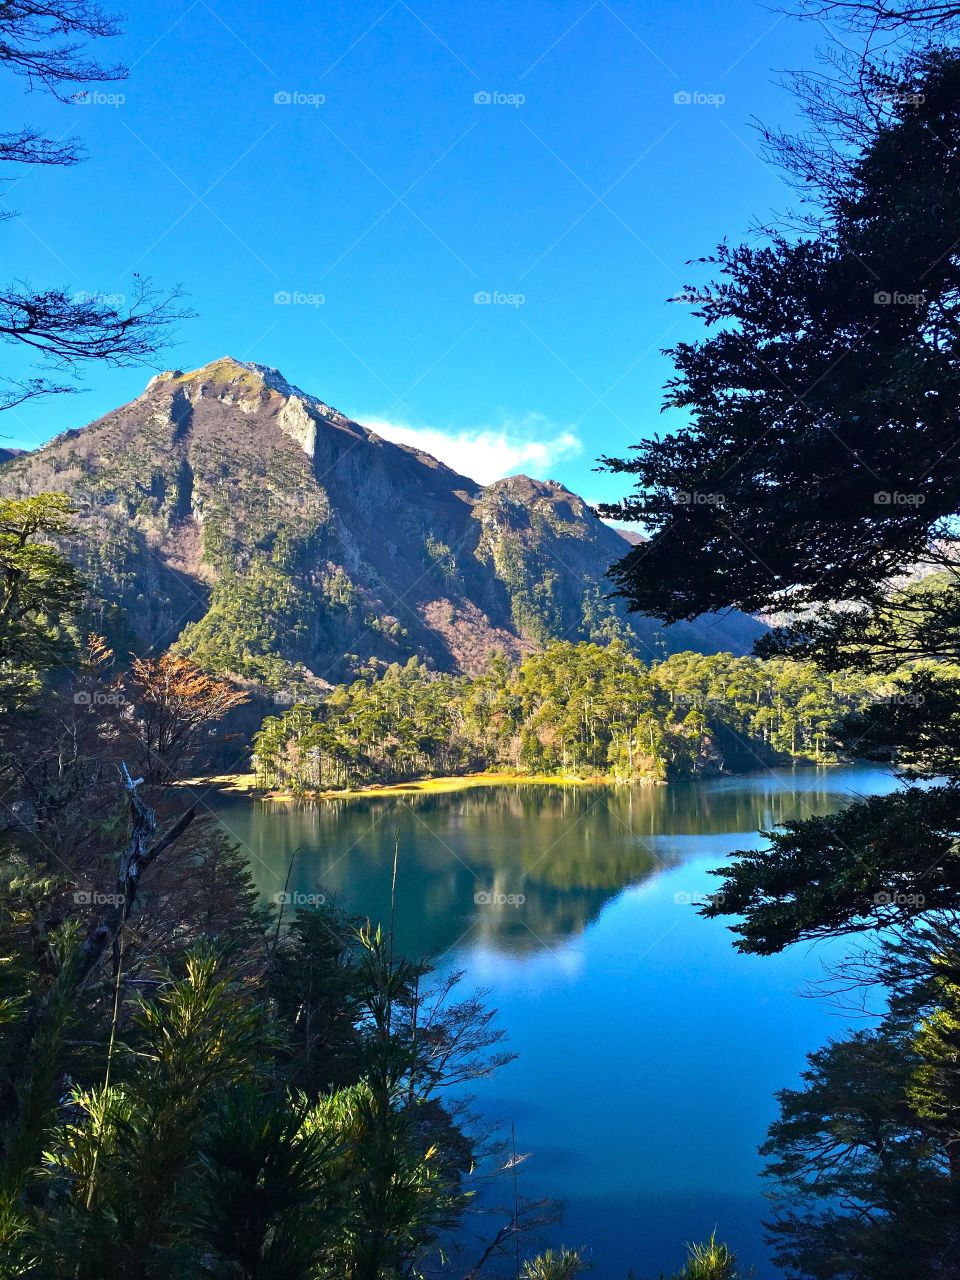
(575, 709)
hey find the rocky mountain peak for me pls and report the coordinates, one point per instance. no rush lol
(239, 381)
(249, 387)
(231, 513)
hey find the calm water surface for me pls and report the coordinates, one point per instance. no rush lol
(649, 1049)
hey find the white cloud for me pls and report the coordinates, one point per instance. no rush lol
(531, 445)
(632, 526)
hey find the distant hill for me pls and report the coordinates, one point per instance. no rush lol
(262, 531)
(629, 535)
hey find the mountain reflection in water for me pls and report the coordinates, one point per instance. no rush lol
(566, 850)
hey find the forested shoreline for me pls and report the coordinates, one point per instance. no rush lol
(572, 710)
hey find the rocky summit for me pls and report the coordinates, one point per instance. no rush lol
(254, 527)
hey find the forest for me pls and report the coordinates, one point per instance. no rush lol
(574, 710)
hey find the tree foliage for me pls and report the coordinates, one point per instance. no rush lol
(822, 408)
(578, 709)
(37, 587)
(817, 479)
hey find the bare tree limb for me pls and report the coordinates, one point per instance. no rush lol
(140, 853)
(29, 146)
(871, 16)
(32, 42)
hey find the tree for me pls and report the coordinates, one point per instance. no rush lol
(200, 1153)
(65, 330)
(823, 420)
(709, 1261)
(819, 461)
(273, 1198)
(37, 583)
(68, 899)
(565, 1265)
(873, 16)
(863, 1190)
(128, 1157)
(173, 700)
(817, 478)
(45, 43)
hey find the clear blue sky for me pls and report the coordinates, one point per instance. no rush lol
(400, 197)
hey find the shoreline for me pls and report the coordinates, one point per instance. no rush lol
(245, 784)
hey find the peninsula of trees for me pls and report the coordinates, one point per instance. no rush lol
(580, 710)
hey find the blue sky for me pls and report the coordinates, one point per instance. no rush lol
(380, 165)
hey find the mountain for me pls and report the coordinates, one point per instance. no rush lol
(268, 535)
(629, 535)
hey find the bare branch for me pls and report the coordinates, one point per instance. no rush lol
(44, 43)
(29, 146)
(878, 15)
(72, 328)
(140, 853)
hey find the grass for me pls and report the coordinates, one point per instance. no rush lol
(226, 369)
(246, 784)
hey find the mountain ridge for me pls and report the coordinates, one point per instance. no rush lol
(229, 512)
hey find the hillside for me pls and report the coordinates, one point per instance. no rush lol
(265, 533)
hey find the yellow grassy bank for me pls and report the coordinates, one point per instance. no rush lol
(246, 784)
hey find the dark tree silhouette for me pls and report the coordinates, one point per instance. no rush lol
(821, 465)
(879, 15)
(46, 45)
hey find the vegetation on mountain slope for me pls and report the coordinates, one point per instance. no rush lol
(271, 538)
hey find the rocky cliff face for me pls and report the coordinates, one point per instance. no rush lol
(258, 528)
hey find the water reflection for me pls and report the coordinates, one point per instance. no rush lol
(517, 867)
(649, 1049)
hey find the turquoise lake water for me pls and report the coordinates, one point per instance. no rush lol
(649, 1050)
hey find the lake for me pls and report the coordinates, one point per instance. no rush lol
(649, 1050)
